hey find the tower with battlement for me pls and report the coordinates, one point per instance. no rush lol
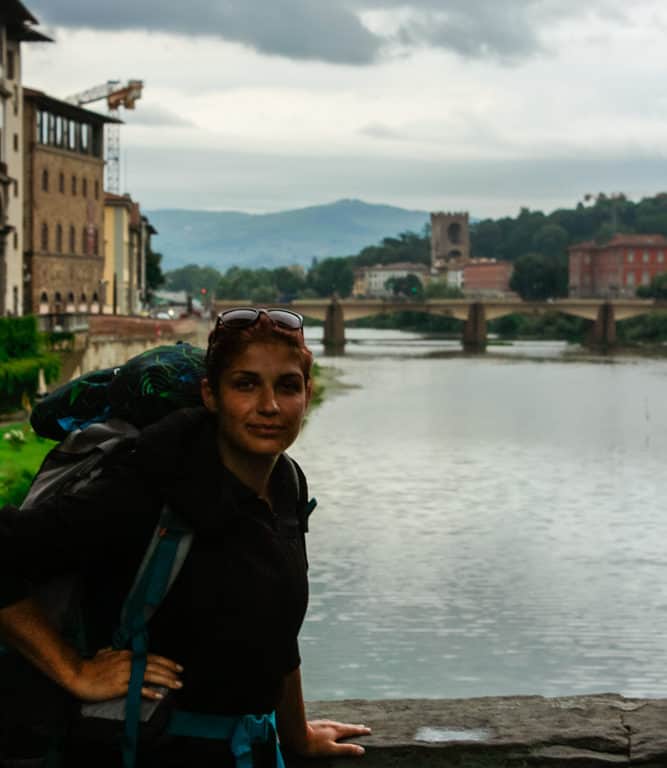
(450, 240)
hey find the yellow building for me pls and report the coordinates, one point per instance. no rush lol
(126, 244)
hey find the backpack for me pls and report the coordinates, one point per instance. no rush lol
(100, 415)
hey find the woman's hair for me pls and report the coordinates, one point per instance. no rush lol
(225, 344)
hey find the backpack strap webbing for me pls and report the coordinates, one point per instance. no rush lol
(161, 565)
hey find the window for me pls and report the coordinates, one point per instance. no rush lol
(587, 258)
(16, 188)
(16, 142)
(95, 242)
(645, 257)
(10, 65)
(59, 238)
(71, 140)
(630, 279)
(84, 186)
(45, 180)
(59, 131)
(45, 236)
(661, 256)
(72, 239)
(631, 256)
(97, 189)
(74, 185)
(84, 242)
(61, 183)
(16, 240)
(85, 138)
(646, 278)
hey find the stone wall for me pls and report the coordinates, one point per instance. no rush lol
(502, 732)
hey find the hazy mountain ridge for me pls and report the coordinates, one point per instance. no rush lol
(223, 239)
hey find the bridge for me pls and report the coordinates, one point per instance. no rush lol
(603, 314)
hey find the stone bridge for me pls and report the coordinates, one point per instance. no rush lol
(474, 312)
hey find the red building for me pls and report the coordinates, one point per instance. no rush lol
(487, 277)
(617, 268)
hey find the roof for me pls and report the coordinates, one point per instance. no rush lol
(121, 201)
(621, 240)
(409, 266)
(17, 18)
(65, 108)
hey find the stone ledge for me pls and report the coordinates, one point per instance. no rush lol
(503, 732)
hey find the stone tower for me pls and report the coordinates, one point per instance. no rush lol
(450, 240)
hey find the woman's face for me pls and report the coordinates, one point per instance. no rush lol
(261, 400)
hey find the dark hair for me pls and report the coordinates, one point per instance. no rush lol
(225, 344)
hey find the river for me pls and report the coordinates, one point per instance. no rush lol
(486, 525)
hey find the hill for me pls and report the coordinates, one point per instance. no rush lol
(223, 239)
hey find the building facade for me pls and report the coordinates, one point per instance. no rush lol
(450, 240)
(63, 205)
(127, 235)
(16, 27)
(370, 282)
(487, 277)
(617, 268)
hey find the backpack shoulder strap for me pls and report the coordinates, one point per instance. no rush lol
(304, 506)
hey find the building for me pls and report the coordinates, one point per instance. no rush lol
(16, 27)
(450, 240)
(127, 237)
(487, 277)
(617, 268)
(370, 282)
(63, 205)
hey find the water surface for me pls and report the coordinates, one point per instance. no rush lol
(486, 525)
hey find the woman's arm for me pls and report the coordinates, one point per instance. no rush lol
(316, 737)
(24, 627)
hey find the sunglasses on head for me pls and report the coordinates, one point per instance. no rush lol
(244, 317)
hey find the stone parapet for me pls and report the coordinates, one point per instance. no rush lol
(503, 732)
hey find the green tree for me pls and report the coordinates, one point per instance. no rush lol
(192, 278)
(154, 276)
(537, 277)
(409, 286)
(331, 276)
(551, 240)
(656, 290)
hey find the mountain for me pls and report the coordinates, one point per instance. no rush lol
(222, 239)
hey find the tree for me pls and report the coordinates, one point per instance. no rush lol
(438, 289)
(331, 276)
(409, 286)
(537, 277)
(154, 276)
(550, 240)
(192, 278)
(656, 290)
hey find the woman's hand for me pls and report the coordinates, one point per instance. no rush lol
(322, 738)
(107, 675)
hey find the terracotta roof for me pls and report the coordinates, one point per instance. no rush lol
(621, 240)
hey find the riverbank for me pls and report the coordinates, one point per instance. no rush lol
(504, 732)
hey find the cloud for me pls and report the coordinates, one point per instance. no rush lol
(153, 114)
(334, 31)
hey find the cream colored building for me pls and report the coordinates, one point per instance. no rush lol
(126, 244)
(16, 26)
(370, 282)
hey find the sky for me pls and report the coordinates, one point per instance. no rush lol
(478, 105)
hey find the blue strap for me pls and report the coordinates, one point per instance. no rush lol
(148, 592)
(241, 732)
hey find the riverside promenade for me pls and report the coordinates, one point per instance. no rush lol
(502, 732)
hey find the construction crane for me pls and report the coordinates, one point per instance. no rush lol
(117, 95)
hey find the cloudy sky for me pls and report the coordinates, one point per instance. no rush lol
(479, 105)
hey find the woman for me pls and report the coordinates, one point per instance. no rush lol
(224, 641)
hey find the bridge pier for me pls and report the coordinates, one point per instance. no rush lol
(474, 330)
(603, 332)
(334, 329)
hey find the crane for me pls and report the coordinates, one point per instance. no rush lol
(117, 94)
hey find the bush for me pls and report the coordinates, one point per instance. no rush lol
(14, 486)
(18, 337)
(21, 376)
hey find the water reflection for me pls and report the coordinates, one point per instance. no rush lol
(487, 525)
